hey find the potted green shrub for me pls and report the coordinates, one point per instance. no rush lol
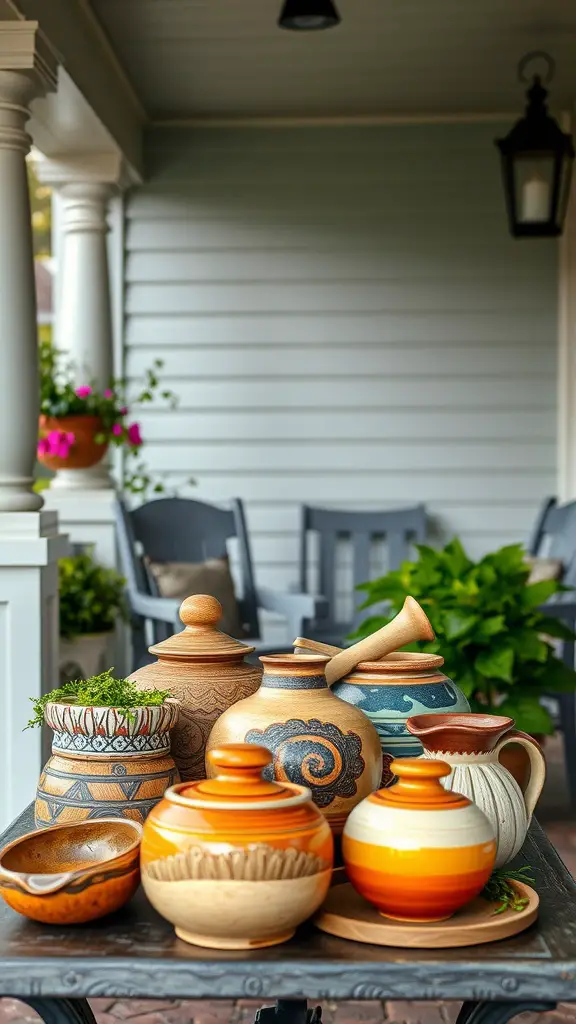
(110, 749)
(489, 628)
(91, 602)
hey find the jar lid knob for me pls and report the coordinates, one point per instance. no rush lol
(200, 610)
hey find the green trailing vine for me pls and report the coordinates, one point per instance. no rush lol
(499, 890)
(103, 691)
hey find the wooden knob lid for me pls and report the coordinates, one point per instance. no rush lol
(239, 771)
(200, 639)
(418, 786)
(200, 610)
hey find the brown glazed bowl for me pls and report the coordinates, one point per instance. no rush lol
(70, 874)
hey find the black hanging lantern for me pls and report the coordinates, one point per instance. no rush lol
(537, 161)
(308, 15)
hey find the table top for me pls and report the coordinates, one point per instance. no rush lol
(135, 954)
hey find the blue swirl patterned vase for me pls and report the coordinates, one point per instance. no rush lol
(317, 740)
(397, 687)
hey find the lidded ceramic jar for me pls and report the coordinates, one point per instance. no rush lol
(206, 672)
(317, 740)
(236, 862)
(471, 746)
(415, 850)
(391, 690)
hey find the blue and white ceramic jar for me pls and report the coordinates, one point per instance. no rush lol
(393, 689)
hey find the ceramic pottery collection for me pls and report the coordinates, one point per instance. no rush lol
(206, 672)
(105, 763)
(391, 690)
(471, 745)
(73, 873)
(236, 862)
(417, 851)
(316, 739)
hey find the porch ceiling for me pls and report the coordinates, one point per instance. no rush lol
(211, 58)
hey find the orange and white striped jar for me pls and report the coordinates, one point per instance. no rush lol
(415, 850)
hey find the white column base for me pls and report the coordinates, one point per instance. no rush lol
(30, 546)
(87, 516)
(95, 479)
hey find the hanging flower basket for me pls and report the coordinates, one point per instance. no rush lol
(79, 423)
(71, 442)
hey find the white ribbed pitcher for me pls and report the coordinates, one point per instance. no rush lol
(471, 745)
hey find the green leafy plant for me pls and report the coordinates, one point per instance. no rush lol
(91, 596)
(488, 626)
(103, 691)
(498, 888)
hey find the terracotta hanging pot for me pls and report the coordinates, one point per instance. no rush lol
(317, 739)
(84, 451)
(206, 672)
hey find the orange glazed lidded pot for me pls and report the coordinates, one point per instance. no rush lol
(416, 851)
(236, 861)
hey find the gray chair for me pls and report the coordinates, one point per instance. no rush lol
(182, 530)
(398, 529)
(554, 536)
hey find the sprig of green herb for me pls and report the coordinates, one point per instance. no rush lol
(498, 888)
(103, 691)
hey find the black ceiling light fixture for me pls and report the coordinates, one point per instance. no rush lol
(537, 159)
(308, 15)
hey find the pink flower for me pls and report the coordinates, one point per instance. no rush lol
(134, 436)
(84, 391)
(58, 443)
(124, 410)
(108, 393)
(118, 430)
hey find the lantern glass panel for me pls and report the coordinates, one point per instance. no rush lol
(533, 187)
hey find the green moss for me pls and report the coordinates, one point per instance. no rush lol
(103, 691)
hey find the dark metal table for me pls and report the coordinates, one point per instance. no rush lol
(135, 954)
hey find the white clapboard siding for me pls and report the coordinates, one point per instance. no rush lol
(361, 390)
(347, 323)
(360, 424)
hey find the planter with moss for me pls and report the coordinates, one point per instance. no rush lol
(110, 751)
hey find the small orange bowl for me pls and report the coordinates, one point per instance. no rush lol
(70, 874)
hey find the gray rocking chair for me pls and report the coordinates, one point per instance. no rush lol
(398, 527)
(178, 529)
(554, 536)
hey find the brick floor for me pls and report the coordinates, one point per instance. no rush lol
(560, 824)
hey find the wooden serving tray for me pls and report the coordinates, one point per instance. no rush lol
(346, 914)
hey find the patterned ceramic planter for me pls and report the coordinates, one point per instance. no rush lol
(105, 763)
(391, 690)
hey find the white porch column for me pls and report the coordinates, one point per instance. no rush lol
(29, 541)
(84, 499)
(83, 316)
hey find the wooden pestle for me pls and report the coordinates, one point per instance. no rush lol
(410, 624)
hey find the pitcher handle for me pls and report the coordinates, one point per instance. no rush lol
(537, 766)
